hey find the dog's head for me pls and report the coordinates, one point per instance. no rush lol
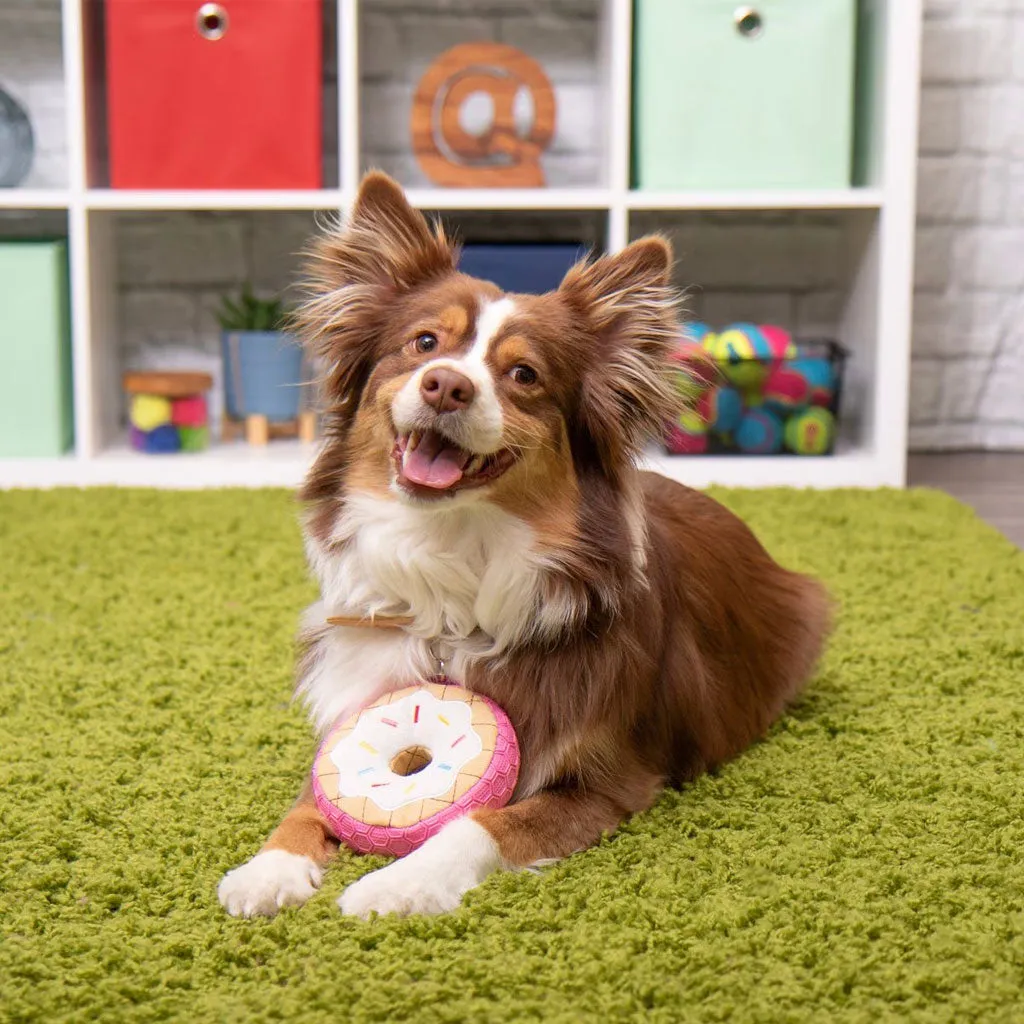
(439, 385)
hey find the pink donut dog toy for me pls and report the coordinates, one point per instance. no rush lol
(394, 774)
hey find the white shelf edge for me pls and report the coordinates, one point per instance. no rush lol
(510, 199)
(428, 199)
(348, 95)
(853, 468)
(284, 464)
(759, 199)
(141, 199)
(279, 464)
(619, 60)
(53, 471)
(34, 199)
(454, 199)
(897, 245)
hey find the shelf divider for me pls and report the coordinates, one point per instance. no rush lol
(760, 199)
(34, 198)
(349, 140)
(186, 199)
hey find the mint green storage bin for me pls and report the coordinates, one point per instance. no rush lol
(35, 350)
(723, 101)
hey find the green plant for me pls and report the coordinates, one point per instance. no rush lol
(251, 313)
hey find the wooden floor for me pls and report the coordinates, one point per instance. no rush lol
(991, 482)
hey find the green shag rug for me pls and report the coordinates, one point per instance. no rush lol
(864, 863)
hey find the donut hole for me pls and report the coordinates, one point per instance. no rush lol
(411, 760)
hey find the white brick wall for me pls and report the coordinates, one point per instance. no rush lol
(967, 382)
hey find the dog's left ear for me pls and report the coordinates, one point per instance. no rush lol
(630, 310)
(354, 271)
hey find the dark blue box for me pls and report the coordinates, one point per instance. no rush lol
(514, 267)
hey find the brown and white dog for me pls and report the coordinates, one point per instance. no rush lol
(479, 476)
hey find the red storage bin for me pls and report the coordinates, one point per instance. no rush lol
(204, 95)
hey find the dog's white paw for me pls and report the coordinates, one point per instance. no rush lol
(430, 880)
(271, 880)
(397, 889)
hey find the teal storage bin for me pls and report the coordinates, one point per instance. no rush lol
(36, 417)
(743, 96)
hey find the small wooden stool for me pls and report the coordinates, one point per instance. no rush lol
(258, 430)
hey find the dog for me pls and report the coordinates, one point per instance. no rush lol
(479, 477)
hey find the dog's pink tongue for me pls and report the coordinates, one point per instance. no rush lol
(434, 463)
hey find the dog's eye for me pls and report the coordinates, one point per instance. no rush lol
(524, 375)
(425, 342)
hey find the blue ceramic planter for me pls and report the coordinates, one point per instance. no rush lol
(263, 375)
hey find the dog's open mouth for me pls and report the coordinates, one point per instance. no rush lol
(429, 465)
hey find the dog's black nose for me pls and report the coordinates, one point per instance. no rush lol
(447, 390)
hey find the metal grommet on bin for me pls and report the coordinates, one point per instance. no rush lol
(749, 22)
(212, 21)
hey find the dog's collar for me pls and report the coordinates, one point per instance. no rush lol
(390, 622)
(372, 621)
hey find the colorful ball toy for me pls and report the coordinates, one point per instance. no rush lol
(785, 389)
(679, 442)
(149, 412)
(395, 773)
(162, 440)
(780, 342)
(759, 432)
(194, 439)
(746, 351)
(734, 351)
(189, 412)
(696, 374)
(820, 377)
(168, 411)
(721, 409)
(811, 432)
(695, 332)
(691, 421)
(688, 435)
(697, 370)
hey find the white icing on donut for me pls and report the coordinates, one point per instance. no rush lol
(442, 727)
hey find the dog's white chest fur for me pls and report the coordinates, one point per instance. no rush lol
(469, 574)
(453, 570)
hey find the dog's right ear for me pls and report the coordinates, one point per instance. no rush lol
(353, 273)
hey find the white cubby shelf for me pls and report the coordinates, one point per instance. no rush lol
(867, 231)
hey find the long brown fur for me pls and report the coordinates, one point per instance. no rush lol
(688, 639)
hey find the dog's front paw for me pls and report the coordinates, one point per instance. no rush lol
(401, 889)
(430, 880)
(271, 880)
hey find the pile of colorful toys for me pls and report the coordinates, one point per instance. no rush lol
(168, 411)
(773, 393)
